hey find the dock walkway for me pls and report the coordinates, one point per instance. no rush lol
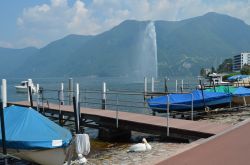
(139, 122)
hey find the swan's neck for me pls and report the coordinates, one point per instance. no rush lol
(148, 147)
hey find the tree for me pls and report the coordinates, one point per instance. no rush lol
(245, 69)
(226, 66)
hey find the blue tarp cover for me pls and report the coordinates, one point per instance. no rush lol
(25, 128)
(237, 77)
(183, 101)
(241, 91)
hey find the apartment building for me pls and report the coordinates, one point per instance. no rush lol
(240, 60)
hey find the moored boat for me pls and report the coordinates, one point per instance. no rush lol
(240, 95)
(23, 87)
(33, 137)
(183, 101)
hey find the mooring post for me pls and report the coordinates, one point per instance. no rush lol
(30, 96)
(4, 92)
(30, 92)
(77, 126)
(104, 96)
(78, 103)
(61, 102)
(145, 87)
(165, 84)
(70, 92)
(3, 104)
(152, 84)
(62, 94)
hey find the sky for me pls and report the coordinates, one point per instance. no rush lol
(25, 23)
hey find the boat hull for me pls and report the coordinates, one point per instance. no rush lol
(55, 156)
(241, 100)
(22, 89)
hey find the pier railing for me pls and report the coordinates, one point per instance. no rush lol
(114, 100)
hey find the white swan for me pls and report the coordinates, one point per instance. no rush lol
(140, 146)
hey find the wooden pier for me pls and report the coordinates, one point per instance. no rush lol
(125, 121)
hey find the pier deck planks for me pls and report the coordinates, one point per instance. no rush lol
(143, 121)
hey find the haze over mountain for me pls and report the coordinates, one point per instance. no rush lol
(183, 47)
(11, 59)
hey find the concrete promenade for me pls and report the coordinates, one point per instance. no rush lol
(231, 147)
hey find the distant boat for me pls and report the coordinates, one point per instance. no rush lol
(33, 137)
(182, 102)
(23, 87)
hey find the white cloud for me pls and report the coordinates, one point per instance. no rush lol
(47, 22)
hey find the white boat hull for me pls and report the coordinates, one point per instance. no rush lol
(22, 89)
(54, 156)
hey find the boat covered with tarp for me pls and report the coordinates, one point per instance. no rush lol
(237, 77)
(183, 101)
(241, 96)
(33, 137)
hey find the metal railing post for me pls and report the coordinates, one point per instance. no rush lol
(192, 107)
(145, 88)
(182, 86)
(176, 86)
(77, 125)
(165, 84)
(152, 84)
(117, 120)
(168, 107)
(85, 97)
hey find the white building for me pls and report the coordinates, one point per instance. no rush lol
(240, 60)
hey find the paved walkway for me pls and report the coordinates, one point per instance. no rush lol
(229, 148)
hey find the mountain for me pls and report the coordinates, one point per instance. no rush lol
(183, 47)
(11, 59)
(199, 42)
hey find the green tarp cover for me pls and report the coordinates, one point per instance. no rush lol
(224, 89)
